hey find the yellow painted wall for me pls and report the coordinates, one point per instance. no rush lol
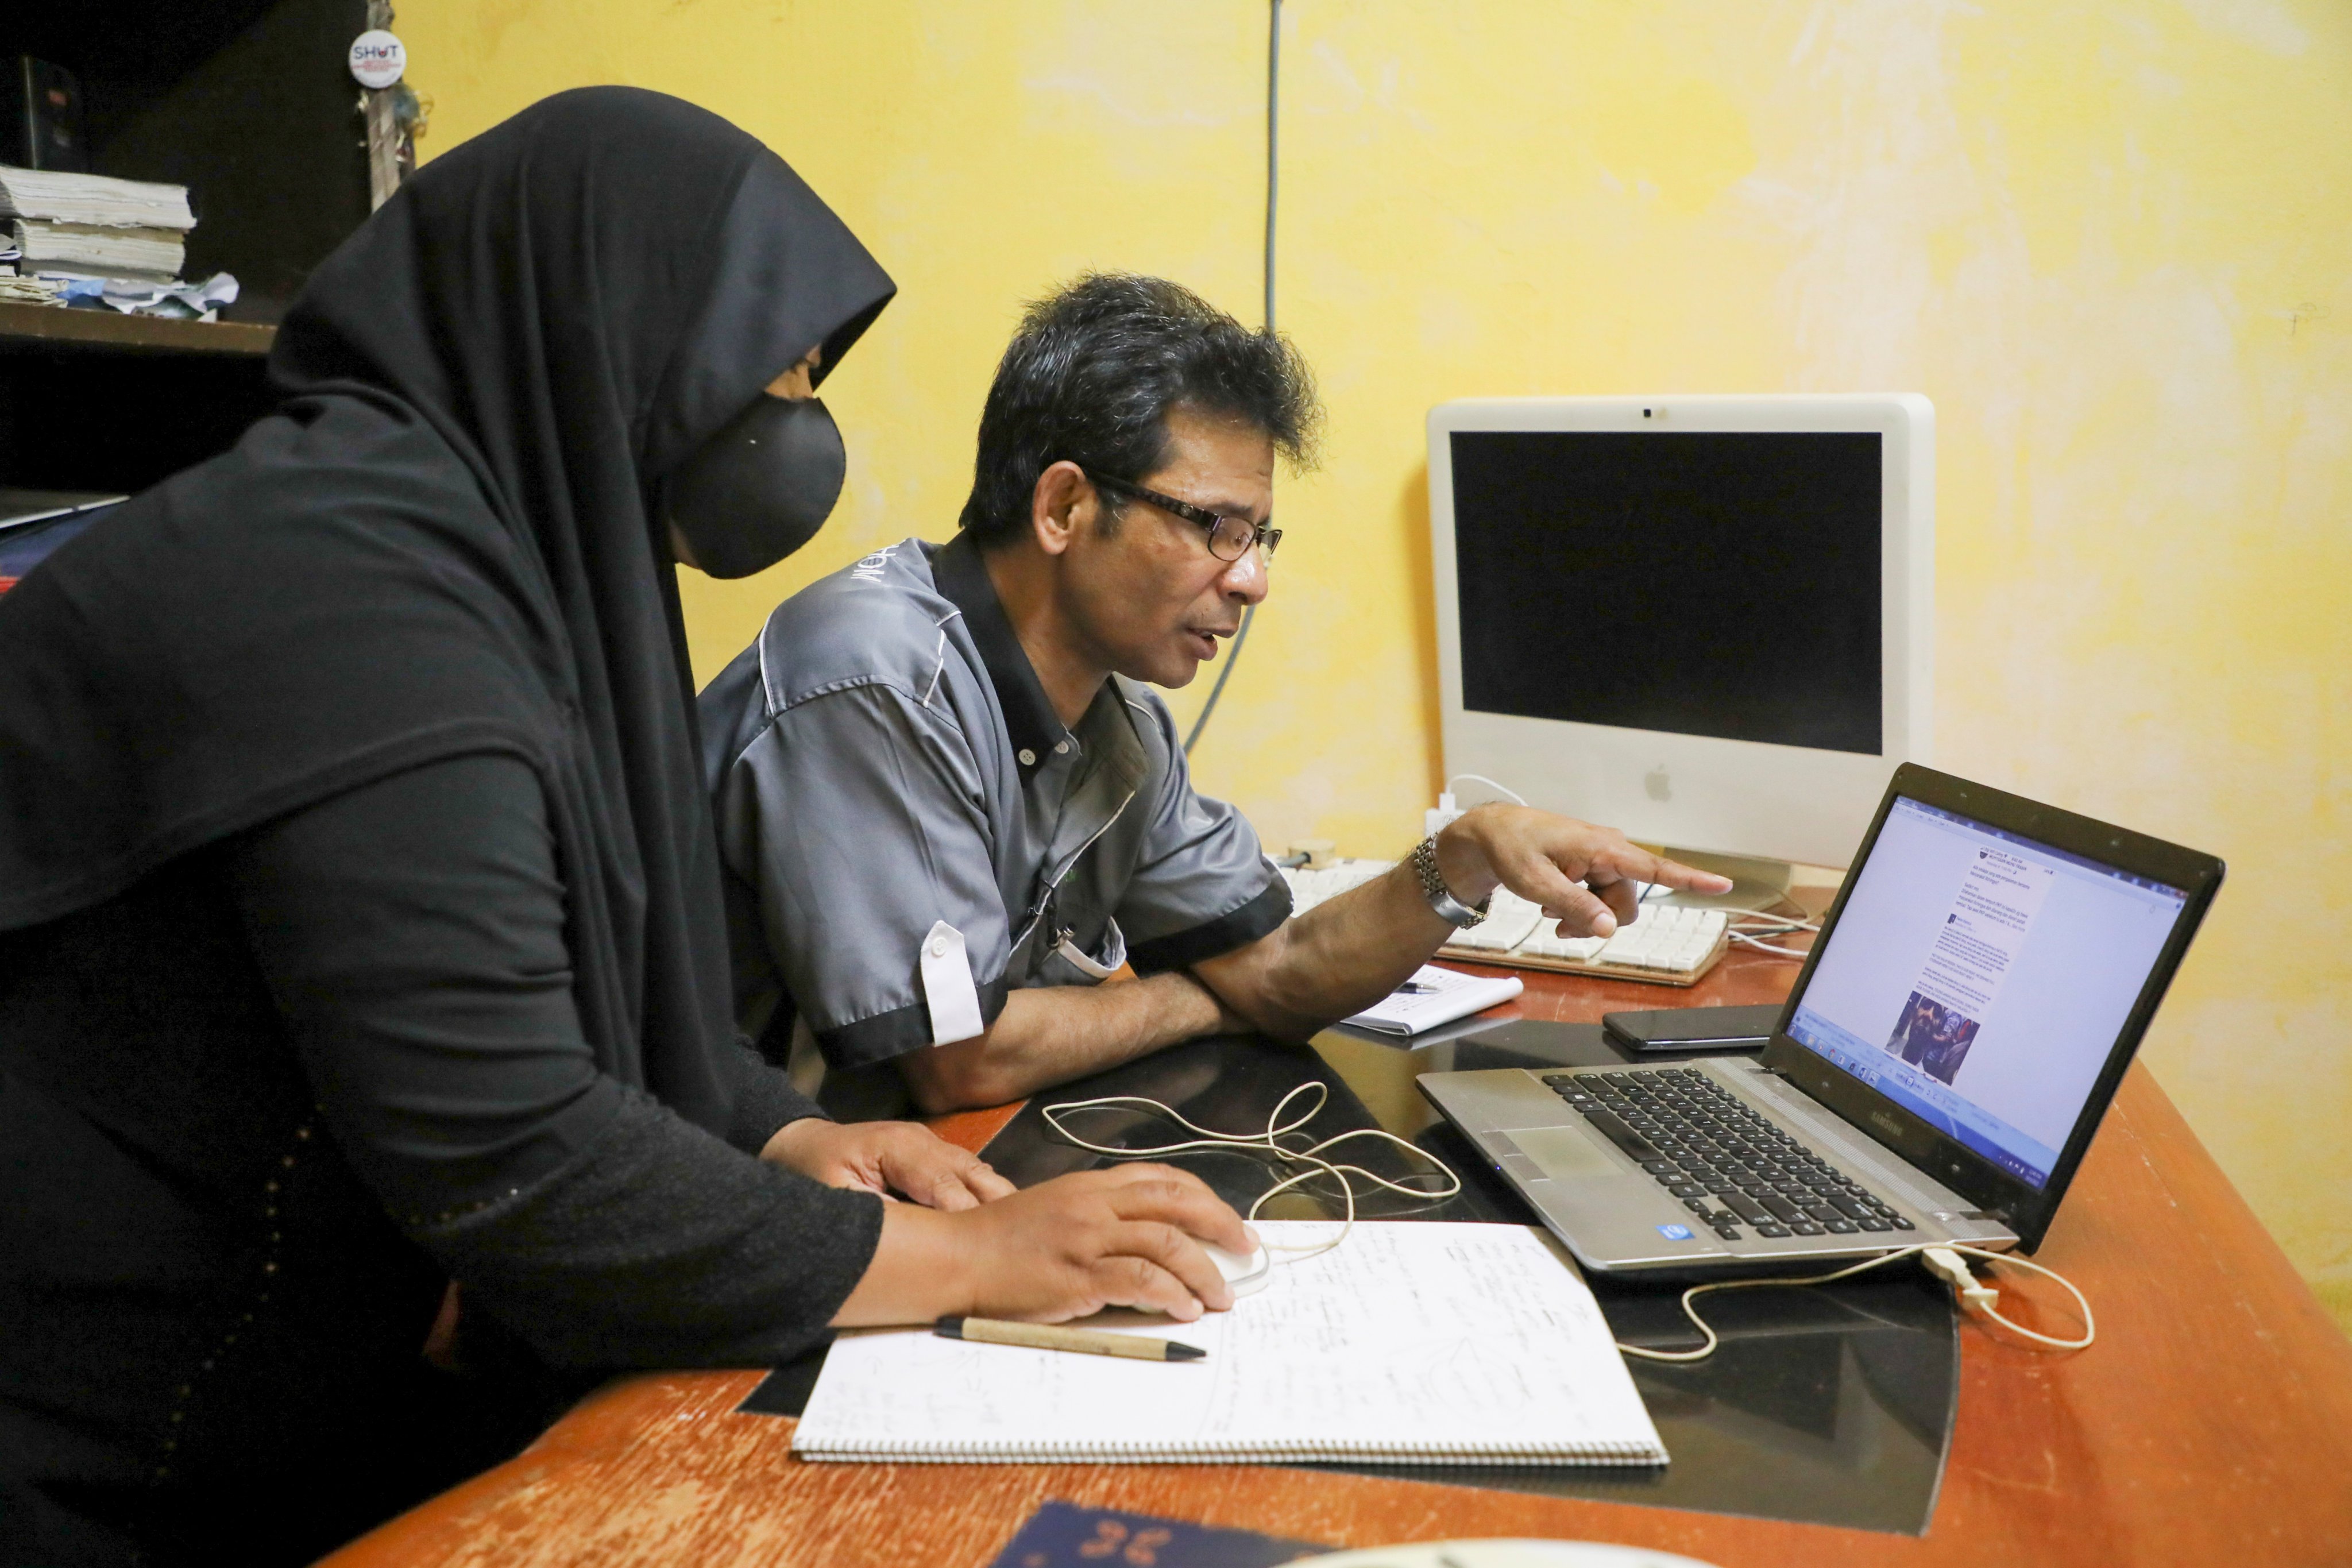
(2112, 240)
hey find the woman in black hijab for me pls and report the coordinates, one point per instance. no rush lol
(360, 925)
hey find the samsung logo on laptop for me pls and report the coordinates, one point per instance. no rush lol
(1888, 1122)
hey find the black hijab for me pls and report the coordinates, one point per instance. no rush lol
(443, 543)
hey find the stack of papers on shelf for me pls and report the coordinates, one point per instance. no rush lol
(43, 245)
(1434, 996)
(150, 297)
(30, 290)
(91, 240)
(96, 200)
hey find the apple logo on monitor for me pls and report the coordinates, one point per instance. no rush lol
(1659, 785)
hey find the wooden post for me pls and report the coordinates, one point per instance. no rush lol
(384, 132)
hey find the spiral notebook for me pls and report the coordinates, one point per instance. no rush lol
(1411, 1342)
(1434, 996)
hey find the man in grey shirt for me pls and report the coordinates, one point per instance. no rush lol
(950, 804)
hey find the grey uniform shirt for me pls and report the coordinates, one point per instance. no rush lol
(884, 765)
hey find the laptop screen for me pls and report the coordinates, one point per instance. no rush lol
(1979, 980)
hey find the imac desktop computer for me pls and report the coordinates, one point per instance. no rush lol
(1706, 620)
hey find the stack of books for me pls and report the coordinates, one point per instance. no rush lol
(90, 238)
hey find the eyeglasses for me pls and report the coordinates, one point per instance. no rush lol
(1229, 537)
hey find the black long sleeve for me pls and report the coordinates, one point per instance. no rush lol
(411, 932)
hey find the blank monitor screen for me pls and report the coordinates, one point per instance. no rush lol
(1711, 583)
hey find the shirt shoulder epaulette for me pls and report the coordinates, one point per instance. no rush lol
(879, 620)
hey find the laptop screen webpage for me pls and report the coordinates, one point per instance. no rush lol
(1980, 981)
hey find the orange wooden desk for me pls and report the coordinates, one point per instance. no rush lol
(2211, 1424)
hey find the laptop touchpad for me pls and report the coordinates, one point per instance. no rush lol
(1564, 1151)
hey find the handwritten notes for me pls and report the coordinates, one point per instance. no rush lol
(1412, 1341)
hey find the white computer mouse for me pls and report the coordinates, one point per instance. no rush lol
(1504, 1554)
(1247, 1275)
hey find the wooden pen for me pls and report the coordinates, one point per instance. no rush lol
(1052, 1337)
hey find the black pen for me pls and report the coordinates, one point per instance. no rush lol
(1053, 1337)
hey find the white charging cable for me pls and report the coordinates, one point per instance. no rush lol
(1504, 790)
(1751, 936)
(1268, 1143)
(1944, 1260)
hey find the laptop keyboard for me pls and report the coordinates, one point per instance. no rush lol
(1729, 1165)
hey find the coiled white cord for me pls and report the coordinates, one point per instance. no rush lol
(1942, 1259)
(1267, 1143)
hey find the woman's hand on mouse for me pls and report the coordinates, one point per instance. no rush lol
(887, 1157)
(1129, 1236)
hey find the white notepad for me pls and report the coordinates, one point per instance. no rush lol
(1442, 997)
(1411, 1343)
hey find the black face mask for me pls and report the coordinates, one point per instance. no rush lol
(760, 488)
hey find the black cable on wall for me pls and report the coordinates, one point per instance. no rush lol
(1272, 141)
(1273, 188)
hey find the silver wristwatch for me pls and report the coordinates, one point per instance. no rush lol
(1451, 909)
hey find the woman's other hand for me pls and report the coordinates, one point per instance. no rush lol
(887, 1157)
(1129, 1236)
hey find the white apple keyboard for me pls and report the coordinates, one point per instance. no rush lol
(1669, 945)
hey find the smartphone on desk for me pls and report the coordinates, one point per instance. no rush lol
(1693, 1028)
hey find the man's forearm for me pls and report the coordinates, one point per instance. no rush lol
(1337, 958)
(1344, 954)
(1049, 1035)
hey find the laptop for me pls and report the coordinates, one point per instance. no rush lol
(1956, 1032)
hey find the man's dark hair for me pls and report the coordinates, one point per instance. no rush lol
(1093, 374)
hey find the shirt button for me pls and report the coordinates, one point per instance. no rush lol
(1060, 747)
(938, 947)
(1028, 758)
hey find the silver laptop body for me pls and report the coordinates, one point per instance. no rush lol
(1616, 1216)
(2018, 952)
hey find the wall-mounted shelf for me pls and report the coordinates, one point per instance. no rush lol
(248, 103)
(95, 400)
(47, 324)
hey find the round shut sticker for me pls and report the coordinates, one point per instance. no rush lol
(378, 58)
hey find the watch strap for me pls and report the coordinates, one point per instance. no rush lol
(1448, 908)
